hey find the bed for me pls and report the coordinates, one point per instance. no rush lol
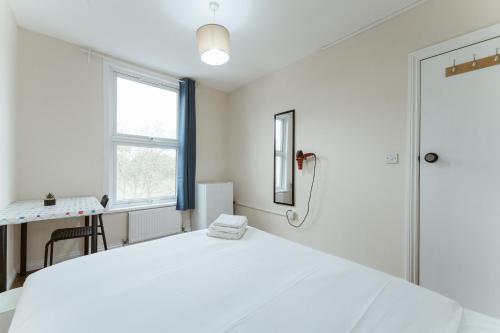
(261, 283)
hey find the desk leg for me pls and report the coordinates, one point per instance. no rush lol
(3, 258)
(93, 246)
(24, 246)
(86, 245)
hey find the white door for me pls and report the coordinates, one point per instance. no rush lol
(460, 193)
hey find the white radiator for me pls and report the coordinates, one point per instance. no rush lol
(153, 223)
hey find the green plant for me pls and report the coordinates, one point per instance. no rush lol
(50, 196)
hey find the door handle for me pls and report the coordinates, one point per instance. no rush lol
(431, 157)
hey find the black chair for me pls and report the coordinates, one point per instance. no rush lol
(78, 232)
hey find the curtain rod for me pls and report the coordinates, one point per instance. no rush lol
(91, 53)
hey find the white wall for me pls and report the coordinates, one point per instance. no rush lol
(60, 133)
(351, 109)
(8, 40)
(212, 147)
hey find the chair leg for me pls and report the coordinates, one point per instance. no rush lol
(103, 234)
(86, 238)
(46, 254)
(51, 252)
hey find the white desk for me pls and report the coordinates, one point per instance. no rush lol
(22, 212)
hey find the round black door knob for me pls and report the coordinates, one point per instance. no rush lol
(431, 157)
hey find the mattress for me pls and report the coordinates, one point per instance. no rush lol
(260, 283)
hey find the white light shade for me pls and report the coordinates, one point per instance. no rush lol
(213, 44)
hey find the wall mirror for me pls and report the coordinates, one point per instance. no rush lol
(284, 147)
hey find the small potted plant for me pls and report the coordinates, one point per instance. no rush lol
(50, 200)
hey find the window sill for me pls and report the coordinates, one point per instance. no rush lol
(131, 208)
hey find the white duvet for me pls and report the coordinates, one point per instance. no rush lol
(261, 283)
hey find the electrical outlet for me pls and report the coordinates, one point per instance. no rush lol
(392, 158)
(292, 215)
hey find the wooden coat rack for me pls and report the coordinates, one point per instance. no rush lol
(473, 65)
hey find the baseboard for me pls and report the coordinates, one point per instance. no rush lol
(33, 265)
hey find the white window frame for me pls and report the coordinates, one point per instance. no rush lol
(283, 187)
(111, 71)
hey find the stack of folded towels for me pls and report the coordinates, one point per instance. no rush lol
(228, 227)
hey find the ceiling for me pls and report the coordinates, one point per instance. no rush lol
(266, 35)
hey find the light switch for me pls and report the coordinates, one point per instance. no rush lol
(392, 158)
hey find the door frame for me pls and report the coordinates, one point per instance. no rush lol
(414, 81)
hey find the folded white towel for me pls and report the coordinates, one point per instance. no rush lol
(227, 229)
(226, 235)
(231, 221)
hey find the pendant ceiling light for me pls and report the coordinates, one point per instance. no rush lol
(213, 41)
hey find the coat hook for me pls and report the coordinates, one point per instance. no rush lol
(496, 55)
(454, 68)
(474, 63)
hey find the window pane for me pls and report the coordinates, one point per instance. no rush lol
(279, 172)
(145, 110)
(145, 173)
(279, 134)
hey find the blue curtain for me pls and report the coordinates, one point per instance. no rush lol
(187, 146)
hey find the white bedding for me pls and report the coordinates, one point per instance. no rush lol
(261, 283)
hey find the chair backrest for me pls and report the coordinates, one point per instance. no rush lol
(104, 200)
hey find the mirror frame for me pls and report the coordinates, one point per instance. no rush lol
(293, 158)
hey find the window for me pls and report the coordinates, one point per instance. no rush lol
(142, 137)
(281, 155)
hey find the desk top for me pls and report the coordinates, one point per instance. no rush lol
(34, 210)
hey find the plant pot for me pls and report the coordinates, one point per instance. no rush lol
(49, 202)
